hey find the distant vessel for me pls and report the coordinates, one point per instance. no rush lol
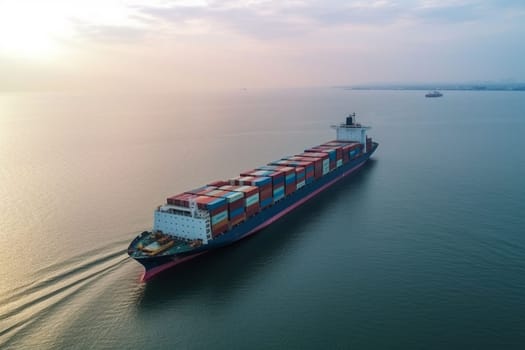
(434, 93)
(222, 212)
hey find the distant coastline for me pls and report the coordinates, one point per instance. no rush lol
(443, 86)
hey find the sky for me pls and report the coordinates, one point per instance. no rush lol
(159, 45)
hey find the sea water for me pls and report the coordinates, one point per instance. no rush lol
(423, 248)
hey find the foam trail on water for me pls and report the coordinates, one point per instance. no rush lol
(24, 305)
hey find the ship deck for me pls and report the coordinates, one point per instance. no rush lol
(150, 244)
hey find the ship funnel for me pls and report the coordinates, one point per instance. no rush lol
(350, 120)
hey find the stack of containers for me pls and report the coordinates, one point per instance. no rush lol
(201, 190)
(323, 156)
(251, 197)
(218, 183)
(181, 200)
(289, 176)
(331, 155)
(217, 207)
(263, 183)
(338, 153)
(349, 148)
(300, 175)
(317, 162)
(235, 200)
(308, 165)
(277, 181)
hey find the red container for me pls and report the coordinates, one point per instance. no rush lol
(219, 228)
(332, 143)
(237, 204)
(203, 201)
(218, 183)
(250, 181)
(218, 210)
(248, 192)
(237, 220)
(232, 206)
(252, 210)
(338, 150)
(181, 199)
(202, 190)
(276, 176)
(288, 187)
(246, 189)
(300, 173)
(266, 193)
(341, 142)
(285, 169)
(314, 153)
(318, 164)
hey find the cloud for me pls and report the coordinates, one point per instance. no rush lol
(108, 33)
(257, 21)
(270, 20)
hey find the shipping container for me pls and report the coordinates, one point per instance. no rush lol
(307, 163)
(276, 176)
(289, 176)
(337, 149)
(251, 197)
(219, 228)
(235, 201)
(202, 190)
(318, 164)
(278, 193)
(316, 154)
(181, 199)
(300, 172)
(264, 184)
(251, 181)
(210, 203)
(330, 151)
(219, 218)
(218, 183)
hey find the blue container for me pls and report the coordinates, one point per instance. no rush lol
(216, 203)
(278, 194)
(223, 215)
(262, 172)
(262, 181)
(266, 202)
(268, 167)
(236, 212)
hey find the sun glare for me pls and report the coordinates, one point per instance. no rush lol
(31, 29)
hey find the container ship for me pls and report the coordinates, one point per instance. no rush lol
(197, 221)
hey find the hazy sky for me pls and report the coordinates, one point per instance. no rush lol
(159, 45)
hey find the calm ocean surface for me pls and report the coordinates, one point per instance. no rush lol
(424, 248)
